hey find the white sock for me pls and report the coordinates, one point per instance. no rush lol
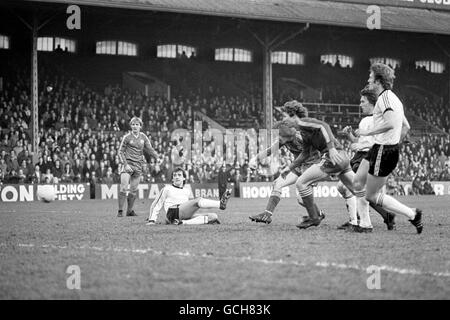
(197, 220)
(207, 203)
(352, 209)
(395, 206)
(363, 209)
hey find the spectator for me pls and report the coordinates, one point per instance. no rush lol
(68, 174)
(417, 184)
(427, 187)
(47, 177)
(57, 171)
(445, 174)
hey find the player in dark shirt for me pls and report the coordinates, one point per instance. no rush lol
(291, 109)
(131, 155)
(317, 135)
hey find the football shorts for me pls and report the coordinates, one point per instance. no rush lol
(136, 170)
(335, 169)
(383, 159)
(357, 158)
(173, 214)
(313, 159)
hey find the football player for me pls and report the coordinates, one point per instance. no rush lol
(361, 147)
(180, 207)
(390, 127)
(291, 109)
(317, 135)
(131, 156)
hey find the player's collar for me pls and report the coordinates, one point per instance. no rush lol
(177, 186)
(135, 135)
(382, 92)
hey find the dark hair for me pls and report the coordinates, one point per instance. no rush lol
(384, 74)
(370, 94)
(177, 169)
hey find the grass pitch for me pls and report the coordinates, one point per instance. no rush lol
(122, 258)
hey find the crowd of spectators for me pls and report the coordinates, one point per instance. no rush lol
(80, 132)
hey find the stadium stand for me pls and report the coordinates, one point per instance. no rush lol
(81, 125)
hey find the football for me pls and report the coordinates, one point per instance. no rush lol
(46, 193)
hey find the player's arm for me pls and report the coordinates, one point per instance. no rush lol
(264, 154)
(300, 159)
(405, 128)
(349, 134)
(388, 124)
(156, 206)
(324, 129)
(296, 163)
(327, 134)
(121, 153)
(148, 146)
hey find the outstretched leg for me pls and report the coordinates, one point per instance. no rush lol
(188, 209)
(274, 199)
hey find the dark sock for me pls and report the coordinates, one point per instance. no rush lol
(122, 196)
(273, 202)
(317, 209)
(310, 206)
(385, 214)
(131, 198)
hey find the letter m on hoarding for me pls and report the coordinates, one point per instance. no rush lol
(109, 192)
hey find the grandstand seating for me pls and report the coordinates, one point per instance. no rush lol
(80, 121)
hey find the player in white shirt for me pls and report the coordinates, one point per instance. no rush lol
(179, 205)
(390, 127)
(361, 147)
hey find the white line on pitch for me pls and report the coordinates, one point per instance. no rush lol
(444, 274)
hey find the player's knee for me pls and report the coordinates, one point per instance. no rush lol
(341, 188)
(276, 182)
(123, 188)
(301, 185)
(277, 185)
(200, 202)
(357, 184)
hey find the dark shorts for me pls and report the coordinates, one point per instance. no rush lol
(335, 169)
(173, 213)
(356, 160)
(136, 169)
(383, 159)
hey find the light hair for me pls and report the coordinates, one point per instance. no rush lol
(384, 74)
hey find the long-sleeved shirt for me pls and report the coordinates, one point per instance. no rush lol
(132, 148)
(316, 135)
(169, 196)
